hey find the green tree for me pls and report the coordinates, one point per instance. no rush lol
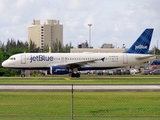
(155, 51)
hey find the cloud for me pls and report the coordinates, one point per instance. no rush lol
(20, 3)
(112, 21)
(74, 4)
(2, 5)
(15, 19)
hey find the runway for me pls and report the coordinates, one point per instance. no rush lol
(70, 87)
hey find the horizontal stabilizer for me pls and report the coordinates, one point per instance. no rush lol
(145, 57)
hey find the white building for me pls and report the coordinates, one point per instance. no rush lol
(45, 34)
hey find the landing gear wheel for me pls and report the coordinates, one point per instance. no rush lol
(22, 75)
(75, 75)
(78, 75)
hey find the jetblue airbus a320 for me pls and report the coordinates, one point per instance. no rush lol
(71, 63)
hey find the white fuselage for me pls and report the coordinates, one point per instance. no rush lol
(41, 61)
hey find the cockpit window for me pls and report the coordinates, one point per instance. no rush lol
(12, 58)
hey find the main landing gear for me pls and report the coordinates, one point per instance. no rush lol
(75, 75)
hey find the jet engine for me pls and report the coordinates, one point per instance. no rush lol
(59, 70)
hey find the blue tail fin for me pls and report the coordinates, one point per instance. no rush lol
(141, 45)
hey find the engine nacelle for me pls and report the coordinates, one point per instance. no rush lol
(59, 70)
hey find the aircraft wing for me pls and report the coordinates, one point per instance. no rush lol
(76, 63)
(146, 57)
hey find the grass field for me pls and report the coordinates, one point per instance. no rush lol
(54, 105)
(128, 79)
(86, 105)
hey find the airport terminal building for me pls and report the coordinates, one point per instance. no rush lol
(105, 48)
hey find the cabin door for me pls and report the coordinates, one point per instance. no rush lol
(23, 59)
(125, 59)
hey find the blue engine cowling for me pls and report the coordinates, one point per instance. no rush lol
(59, 70)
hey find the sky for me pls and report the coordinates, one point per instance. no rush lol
(114, 22)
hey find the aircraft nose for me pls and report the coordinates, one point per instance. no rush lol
(4, 64)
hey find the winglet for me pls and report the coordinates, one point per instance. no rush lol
(141, 45)
(103, 59)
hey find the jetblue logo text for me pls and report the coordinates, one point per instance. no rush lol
(60, 70)
(41, 58)
(140, 47)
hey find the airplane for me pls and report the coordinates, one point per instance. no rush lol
(71, 63)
